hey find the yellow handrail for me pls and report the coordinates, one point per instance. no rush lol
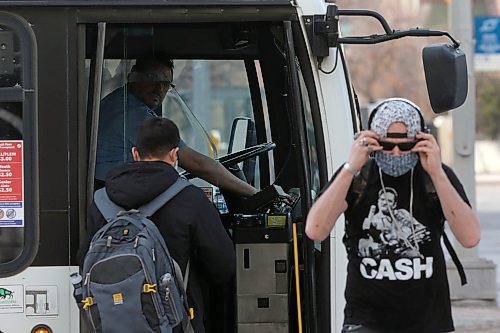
(297, 284)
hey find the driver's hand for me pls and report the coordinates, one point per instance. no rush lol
(287, 199)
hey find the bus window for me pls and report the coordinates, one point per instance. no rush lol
(10, 74)
(18, 221)
(217, 92)
(311, 140)
(206, 96)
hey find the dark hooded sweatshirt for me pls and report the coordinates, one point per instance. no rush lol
(189, 223)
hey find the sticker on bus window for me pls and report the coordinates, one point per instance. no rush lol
(11, 183)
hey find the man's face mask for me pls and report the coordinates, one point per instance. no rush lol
(176, 163)
(395, 165)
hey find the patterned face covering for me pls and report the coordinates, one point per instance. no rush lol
(395, 165)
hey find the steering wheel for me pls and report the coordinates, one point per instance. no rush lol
(240, 156)
(245, 154)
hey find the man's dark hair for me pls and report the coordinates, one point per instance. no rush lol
(155, 137)
(144, 62)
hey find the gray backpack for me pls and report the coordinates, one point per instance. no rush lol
(131, 283)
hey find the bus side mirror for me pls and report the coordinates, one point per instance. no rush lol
(445, 70)
(243, 135)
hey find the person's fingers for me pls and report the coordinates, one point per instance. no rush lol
(372, 148)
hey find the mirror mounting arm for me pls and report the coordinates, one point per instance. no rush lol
(396, 34)
(323, 31)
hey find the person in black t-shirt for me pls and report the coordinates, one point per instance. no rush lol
(396, 274)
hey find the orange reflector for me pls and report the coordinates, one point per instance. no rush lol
(41, 329)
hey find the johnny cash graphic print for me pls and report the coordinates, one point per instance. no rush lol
(392, 241)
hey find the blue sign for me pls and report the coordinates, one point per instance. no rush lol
(487, 34)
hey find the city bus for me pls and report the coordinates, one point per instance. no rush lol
(260, 85)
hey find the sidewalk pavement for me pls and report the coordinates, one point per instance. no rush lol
(480, 317)
(476, 318)
(488, 177)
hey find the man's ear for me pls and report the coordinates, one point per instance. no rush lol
(172, 154)
(135, 154)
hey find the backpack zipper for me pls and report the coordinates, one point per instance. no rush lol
(118, 244)
(172, 303)
(86, 283)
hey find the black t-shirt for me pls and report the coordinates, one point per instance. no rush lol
(396, 274)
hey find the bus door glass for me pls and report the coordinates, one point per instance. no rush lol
(205, 96)
(18, 222)
(11, 135)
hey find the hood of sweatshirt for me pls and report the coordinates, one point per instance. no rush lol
(134, 184)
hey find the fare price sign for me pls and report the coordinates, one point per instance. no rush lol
(11, 183)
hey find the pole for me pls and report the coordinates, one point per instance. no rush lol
(464, 117)
(481, 273)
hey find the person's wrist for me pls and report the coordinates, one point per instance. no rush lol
(437, 174)
(352, 170)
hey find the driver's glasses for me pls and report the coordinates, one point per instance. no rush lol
(152, 77)
(403, 146)
(168, 85)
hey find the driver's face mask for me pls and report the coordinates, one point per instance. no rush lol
(176, 163)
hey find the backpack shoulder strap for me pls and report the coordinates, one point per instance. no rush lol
(431, 193)
(456, 260)
(107, 207)
(151, 207)
(360, 182)
(429, 185)
(186, 322)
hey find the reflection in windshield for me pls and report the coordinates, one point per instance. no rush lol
(191, 130)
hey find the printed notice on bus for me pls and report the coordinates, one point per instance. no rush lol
(11, 298)
(11, 183)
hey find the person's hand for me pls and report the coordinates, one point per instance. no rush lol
(286, 199)
(364, 144)
(429, 152)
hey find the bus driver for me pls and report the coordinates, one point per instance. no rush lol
(123, 109)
